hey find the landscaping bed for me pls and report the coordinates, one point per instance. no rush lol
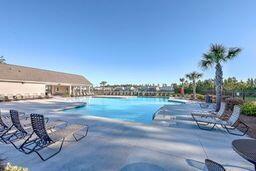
(248, 116)
(251, 122)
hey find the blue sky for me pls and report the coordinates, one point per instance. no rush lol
(127, 41)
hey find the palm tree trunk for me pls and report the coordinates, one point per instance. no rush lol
(194, 89)
(219, 84)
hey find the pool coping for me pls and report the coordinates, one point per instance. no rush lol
(73, 106)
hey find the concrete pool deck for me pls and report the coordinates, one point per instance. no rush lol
(118, 145)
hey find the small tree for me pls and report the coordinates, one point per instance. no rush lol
(103, 84)
(194, 76)
(2, 60)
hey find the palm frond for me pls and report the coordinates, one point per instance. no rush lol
(205, 64)
(218, 52)
(232, 53)
(217, 48)
(194, 75)
(182, 80)
(207, 61)
(188, 76)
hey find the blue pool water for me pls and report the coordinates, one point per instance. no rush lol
(127, 109)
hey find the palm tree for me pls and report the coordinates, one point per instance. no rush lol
(182, 80)
(2, 60)
(103, 84)
(193, 76)
(217, 55)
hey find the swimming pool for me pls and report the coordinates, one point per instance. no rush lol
(138, 109)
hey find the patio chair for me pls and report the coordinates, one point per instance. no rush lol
(26, 96)
(45, 140)
(2, 98)
(213, 166)
(231, 124)
(218, 114)
(3, 126)
(26, 128)
(19, 127)
(20, 130)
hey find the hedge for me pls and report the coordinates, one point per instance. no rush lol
(249, 109)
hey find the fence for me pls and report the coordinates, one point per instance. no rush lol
(246, 95)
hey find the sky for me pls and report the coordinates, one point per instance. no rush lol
(127, 41)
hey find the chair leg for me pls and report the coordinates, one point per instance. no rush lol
(5, 133)
(228, 130)
(82, 136)
(44, 159)
(205, 124)
(20, 148)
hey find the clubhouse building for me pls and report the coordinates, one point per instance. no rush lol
(20, 81)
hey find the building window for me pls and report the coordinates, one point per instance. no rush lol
(57, 89)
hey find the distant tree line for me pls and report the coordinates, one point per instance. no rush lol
(205, 86)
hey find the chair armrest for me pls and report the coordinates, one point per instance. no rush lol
(66, 123)
(206, 115)
(56, 123)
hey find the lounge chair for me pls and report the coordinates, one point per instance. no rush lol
(232, 123)
(218, 114)
(26, 96)
(45, 139)
(213, 166)
(19, 97)
(20, 126)
(2, 98)
(3, 125)
(21, 130)
(5, 119)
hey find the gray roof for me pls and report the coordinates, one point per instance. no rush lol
(28, 74)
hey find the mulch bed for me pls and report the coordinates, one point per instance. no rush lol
(248, 120)
(251, 122)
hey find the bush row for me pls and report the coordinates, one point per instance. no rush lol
(248, 108)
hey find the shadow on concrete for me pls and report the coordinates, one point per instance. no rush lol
(200, 165)
(142, 166)
(196, 164)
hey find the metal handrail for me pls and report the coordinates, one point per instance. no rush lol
(154, 115)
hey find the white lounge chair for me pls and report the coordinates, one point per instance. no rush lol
(232, 123)
(218, 114)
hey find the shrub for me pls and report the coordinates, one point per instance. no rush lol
(249, 108)
(9, 167)
(200, 97)
(225, 97)
(231, 102)
(2, 165)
